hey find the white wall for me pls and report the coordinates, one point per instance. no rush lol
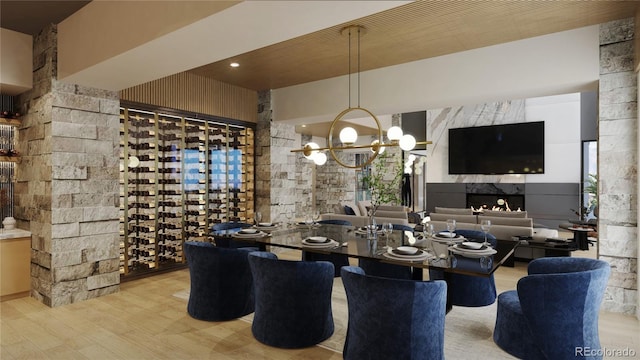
(560, 63)
(16, 59)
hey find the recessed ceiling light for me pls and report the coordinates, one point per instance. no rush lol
(234, 64)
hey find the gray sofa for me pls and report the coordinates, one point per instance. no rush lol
(385, 214)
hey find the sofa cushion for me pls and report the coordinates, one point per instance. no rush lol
(472, 219)
(352, 205)
(392, 208)
(515, 214)
(348, 210)
(458, 211)
(364, 206)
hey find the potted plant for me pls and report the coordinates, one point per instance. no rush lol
(383, 181)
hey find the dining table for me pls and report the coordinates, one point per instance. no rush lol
(419, 251)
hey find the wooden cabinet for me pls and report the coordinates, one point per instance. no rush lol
(179, 176)
(15, 264)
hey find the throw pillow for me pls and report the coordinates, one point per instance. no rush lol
(349, 210)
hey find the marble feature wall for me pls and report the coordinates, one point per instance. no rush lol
(67, 187)
(618, 165)
(439, 121)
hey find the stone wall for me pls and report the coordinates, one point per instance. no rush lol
(618, 162)
(67, 186)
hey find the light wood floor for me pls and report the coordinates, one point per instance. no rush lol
(144, 321)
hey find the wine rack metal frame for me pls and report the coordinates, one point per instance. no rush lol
(163, 207)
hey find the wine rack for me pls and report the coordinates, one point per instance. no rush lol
(179, 176)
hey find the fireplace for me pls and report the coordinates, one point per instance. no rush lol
(488, 201)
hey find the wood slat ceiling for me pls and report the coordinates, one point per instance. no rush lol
(411, 32)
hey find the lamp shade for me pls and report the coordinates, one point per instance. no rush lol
(348, 135)
(407, 142)
(320, 158)
(394, 133)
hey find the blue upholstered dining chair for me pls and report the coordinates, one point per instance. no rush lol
(338, 260)
(469, 290)
(221, 282)
(226, 241)
(293, 301)
(402, 227)
(553, 314)
(377, 268)
(393, 319)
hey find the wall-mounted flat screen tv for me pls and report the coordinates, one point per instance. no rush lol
(497, 149)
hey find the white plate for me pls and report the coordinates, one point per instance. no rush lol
(265, 224)
(446, 235)
(249, 236)
(247, 231)
(423, 255)
(406, 250)
(330, 243)
(472, 253)
(316, 239)
(472, 245)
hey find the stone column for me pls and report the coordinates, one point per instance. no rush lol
(276, 176)
(618, 164)
(67, 190)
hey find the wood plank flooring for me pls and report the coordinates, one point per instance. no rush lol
(144, 321)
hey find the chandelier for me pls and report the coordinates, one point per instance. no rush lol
(348, 136)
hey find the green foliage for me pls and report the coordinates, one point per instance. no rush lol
(383, 180)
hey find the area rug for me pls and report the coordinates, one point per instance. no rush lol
(468, 331)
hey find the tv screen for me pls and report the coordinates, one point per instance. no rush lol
(497, 149)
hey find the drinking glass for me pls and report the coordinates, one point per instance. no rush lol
(309, 221)
(316, 216)
(451, 226)
(485, 225)
(289, 215)
(257, 217)
(387, 229)
(428, 230)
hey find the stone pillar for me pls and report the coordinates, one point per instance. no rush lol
(67, 190)
(306, 173)
(276, 177)
(618, 164)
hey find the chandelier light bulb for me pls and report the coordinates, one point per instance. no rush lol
(394, 133)
(348, 135)
(376, 147)
(320, 158)
(412, 158)
(309, 151)
(407, 142)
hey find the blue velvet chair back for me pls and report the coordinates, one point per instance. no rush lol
(393, 319)
(402, 227)
(335, 222)
(293, 301)
(468, 290)
(338, 260)
(377, 268)
(554, 310)
(221, 282)
(226, 241)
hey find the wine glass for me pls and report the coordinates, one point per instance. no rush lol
(309, 221)
(485, 225)
(316, 216)
(387, 229)
(289, 216)
(257, 217)
(451, 227)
